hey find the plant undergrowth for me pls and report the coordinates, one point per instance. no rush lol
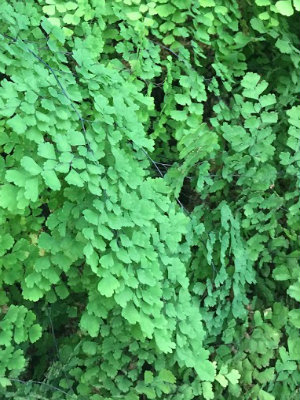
(149, 199)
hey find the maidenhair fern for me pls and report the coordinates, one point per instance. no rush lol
(149, 200)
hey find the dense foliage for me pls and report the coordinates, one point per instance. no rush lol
(149, 199)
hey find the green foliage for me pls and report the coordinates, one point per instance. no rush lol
(149, 200)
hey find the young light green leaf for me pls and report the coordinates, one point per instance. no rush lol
(284, 7)
(108, 285)
(166, 376)
(207, 390)
(4, 382)
(73, 178)
(205, 370)
(51, 179)
(35, 333)
(134, 15)
(30, 166)
(76, 139)
(46, 150)
(90, 323)
(252, 85)
(207, 3)
(233, 376)
(17, 124)
(89, 348)
(296, 4)
(294, 317)
(32, 189)
(294, 290)
(148, 377)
